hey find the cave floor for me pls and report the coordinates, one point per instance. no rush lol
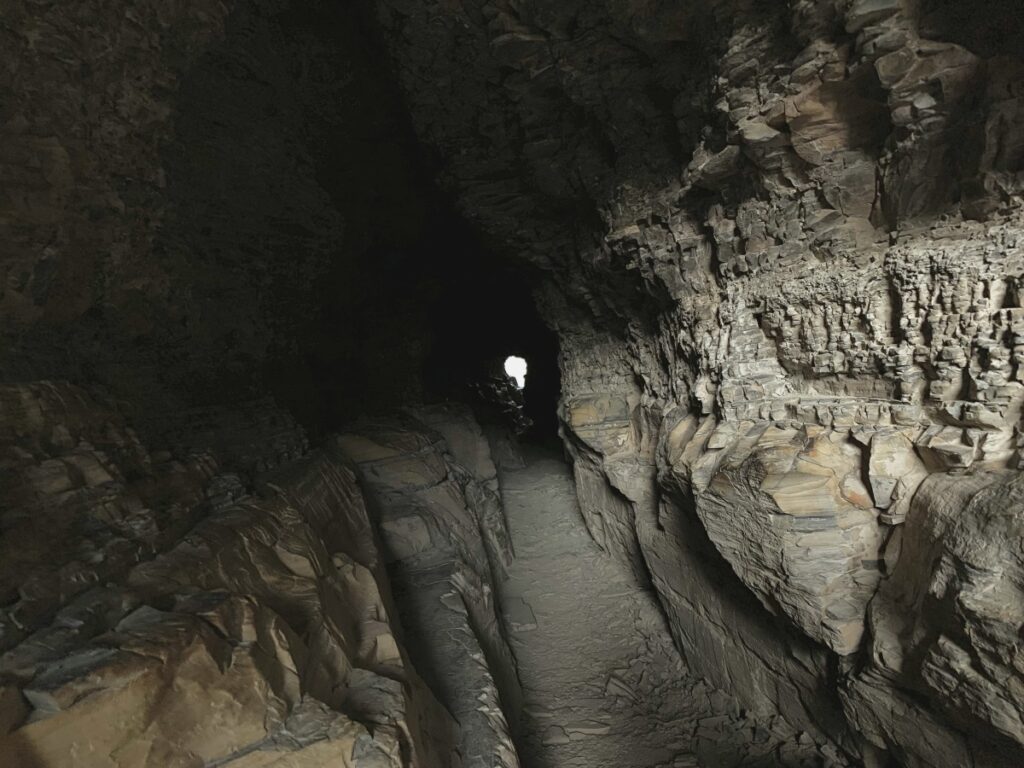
(602, 683)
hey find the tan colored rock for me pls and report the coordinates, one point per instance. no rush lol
(273, 645)
(775, 509)
(445, 541)
(894, 472)
(832, 118)
(946, 622)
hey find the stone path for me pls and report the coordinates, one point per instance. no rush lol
(602, 684)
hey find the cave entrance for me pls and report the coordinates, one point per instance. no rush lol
(486, 331)
(531, 368)
(515, 369)
(508, 393)
(519, 391)
(522, 387)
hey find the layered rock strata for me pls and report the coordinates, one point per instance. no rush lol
(783, 242)
(446, 545)
(196, 617)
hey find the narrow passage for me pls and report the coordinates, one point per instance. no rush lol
(602, 682)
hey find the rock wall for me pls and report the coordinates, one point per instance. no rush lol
(160, 613)
(434, 487)
(204, 204)
(783, 249)
(219, 240)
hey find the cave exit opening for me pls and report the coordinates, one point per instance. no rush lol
(515, 369)
(486, 331)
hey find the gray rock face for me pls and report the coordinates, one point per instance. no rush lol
(788, 309)
(263, 634)
(446, 543)
(946, 625)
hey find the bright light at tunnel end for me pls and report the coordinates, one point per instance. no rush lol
(516, 368)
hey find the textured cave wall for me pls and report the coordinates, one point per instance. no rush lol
(782, 242)
(168, 250)
(781, 249)
(431, 481)
(195, 621)
(205, 204)
(220, 217)
(219, 242)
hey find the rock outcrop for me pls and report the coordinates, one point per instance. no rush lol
(782, 243)
(432, 481)
(204, 619)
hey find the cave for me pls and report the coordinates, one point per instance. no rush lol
(271, 495)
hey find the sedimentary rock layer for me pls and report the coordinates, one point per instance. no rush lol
(186, 617)
(783, 248)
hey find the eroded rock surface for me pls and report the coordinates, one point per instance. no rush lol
(783, 252)
(199, 622)
(446, 544)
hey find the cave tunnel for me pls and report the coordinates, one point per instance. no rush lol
(269, 496)
(485, 313)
